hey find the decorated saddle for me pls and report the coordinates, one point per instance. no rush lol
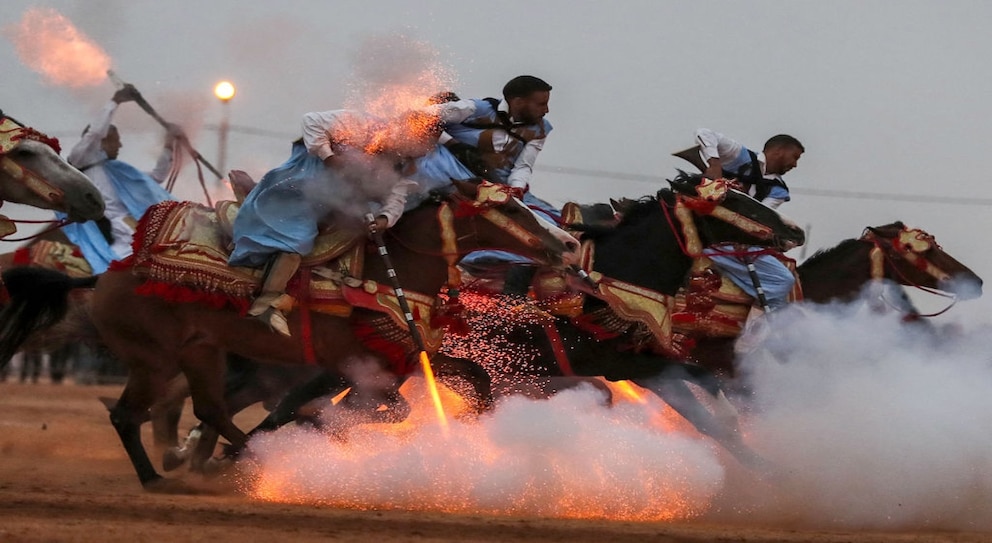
(707, 305)
(181, 251)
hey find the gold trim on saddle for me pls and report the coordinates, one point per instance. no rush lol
(374, 296)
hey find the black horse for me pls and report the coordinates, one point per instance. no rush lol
(645, 248)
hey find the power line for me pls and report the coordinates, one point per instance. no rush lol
(655, 180)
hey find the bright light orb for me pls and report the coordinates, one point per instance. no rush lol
(224, 90)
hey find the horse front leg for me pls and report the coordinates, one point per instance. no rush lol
(671, 386)
(287, 409)
(126, 416)
(468, 379)
(204, 365)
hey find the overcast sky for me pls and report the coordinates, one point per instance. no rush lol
(890, 98)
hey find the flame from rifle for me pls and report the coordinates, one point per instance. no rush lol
(48, 43)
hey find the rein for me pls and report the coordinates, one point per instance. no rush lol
(879, 255)
(54, 224)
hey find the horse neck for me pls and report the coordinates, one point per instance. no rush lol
(838, 274)
(645, 253)
(414, 249)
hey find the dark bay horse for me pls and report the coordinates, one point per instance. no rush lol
(157, 339)
(646, 247)
(32, 173)
(893, 254)
(883, 256)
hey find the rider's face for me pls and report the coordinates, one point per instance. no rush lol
(530, 109)
(111, 143)
(780, 160)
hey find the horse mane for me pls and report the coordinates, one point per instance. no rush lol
(886, 230)
(644, 206)
(831, 253)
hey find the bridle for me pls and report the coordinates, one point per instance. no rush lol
(12, 134)
(909, 245)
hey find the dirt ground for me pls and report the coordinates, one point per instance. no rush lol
(65, 477)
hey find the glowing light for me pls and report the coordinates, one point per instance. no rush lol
(49, 44)
(425, 363)
(628, 391)
(224, 90)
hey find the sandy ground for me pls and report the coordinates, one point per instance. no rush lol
(65, 477)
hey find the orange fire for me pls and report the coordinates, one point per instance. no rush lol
(49, 44)
(517, 461)
(425, 363)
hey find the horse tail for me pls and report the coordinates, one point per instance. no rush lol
(39, 298)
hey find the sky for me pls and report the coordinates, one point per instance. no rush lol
(890, 99)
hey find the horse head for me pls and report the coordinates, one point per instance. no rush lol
(507, 224)
(32, 173)
(912, 257)
(730, 216)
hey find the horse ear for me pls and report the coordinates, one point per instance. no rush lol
(684, 182)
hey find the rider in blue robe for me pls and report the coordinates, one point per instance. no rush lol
(347, 165)
(127, 191)
(504, 137)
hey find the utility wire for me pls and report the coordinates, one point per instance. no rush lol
(656, 179)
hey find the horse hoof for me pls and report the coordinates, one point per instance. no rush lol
(216, 466)
(173, 459)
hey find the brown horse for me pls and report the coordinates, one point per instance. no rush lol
(883, 257)
(647, 246)
(32, 173)
(157, 339)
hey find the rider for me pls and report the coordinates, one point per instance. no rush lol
(500, 140)
(346, 163)
(760, 175)
(127, 191)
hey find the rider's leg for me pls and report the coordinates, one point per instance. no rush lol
(273, 302)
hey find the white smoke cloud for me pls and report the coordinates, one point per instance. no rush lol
(568, 456)
(872, 423)
(868, 424)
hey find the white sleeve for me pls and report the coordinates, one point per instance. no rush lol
(773, 202)
(452, 112)
(716, 145)
(89, 150)
(523, 168)
(395, 201)
(317, 129)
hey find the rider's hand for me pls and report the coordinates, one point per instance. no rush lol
(333, 161)
(378, 225)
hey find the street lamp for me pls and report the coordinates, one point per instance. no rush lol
(224, 91)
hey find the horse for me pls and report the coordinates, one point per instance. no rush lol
(883, 257)
(887, 255)
(646, 236)
(158, 338)
(32, 173)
